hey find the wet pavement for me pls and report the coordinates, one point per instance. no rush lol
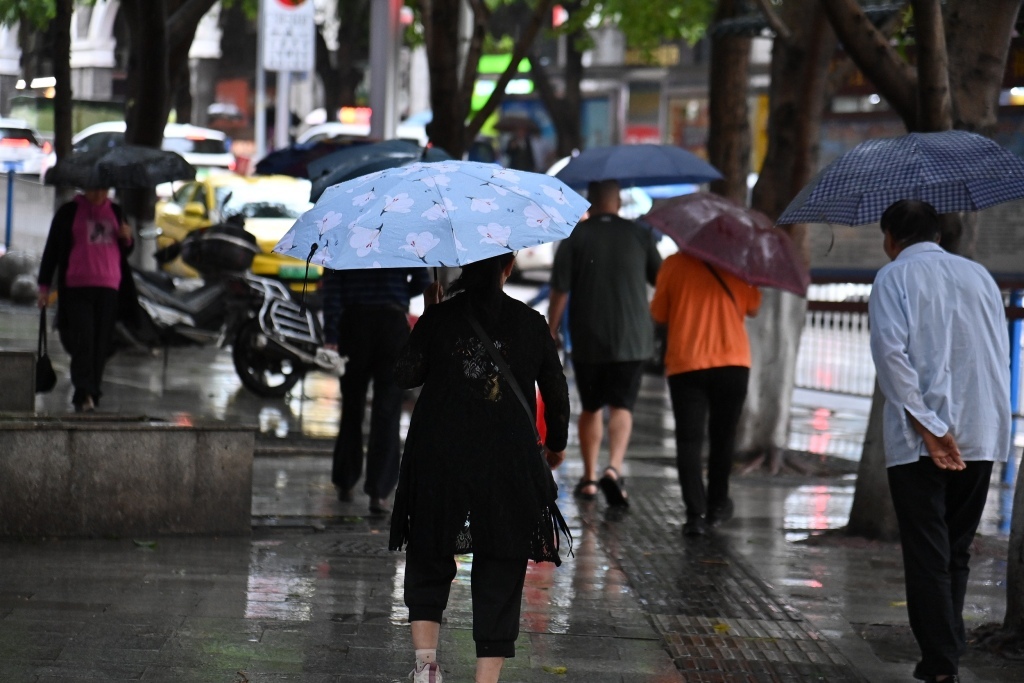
(314, 595)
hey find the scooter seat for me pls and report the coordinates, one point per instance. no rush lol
(157, 278)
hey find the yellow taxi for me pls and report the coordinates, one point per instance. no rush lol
(269, 205)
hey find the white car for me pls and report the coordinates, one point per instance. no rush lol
(204, 148)
(20, 149)
(334, 129)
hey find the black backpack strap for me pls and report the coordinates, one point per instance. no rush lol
(720, 281)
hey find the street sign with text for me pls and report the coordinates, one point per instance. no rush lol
(289, 35)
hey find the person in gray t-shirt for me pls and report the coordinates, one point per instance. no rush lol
(606, 264)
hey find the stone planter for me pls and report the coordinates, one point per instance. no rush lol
(111, 475)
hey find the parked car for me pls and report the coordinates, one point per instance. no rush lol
(335, 129)
(20, 148)
(269, 205)
(204, 148)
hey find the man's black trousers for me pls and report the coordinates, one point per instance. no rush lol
(372, 339)
(938, 513)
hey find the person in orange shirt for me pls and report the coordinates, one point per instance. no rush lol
(707, 362)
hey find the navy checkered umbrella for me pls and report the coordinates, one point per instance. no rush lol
(953, 171)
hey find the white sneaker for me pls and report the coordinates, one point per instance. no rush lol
(429, 673)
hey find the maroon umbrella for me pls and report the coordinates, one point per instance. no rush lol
(739, 240)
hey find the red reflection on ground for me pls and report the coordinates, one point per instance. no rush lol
(818, 443)
(182, 419)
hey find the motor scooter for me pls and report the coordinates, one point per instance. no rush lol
(274, 341)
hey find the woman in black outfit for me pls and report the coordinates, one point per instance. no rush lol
(473, 478)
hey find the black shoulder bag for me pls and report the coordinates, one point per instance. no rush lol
(503, 368)
(46, 378)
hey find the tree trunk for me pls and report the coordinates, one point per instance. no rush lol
(1013, 621)
(872, 514)
(978, 44)
(934, 112)
(62, 119)
(441, 33)
(729, 134)
(181, 86)
(330, 78)
(147, 104)
(566, 111)
(797, 100)
(353, 50)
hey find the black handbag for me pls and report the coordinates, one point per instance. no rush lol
(46, 378)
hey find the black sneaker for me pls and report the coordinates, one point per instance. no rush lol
(379, 506)
(720, 513)
(695, 526)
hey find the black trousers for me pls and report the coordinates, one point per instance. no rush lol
(87, 316)
(372, 340)
(497, 589)
(938, 513)
(710, 400)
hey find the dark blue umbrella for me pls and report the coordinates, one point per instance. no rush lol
(637, 165)
(953, 171)
(358, 161)
(294, 159)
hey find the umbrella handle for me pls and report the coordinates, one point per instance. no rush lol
(305, 279)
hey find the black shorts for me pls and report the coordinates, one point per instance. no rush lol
(608, 384)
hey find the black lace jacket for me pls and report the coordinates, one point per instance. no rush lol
(473, 478)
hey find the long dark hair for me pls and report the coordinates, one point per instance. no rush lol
(481, 280)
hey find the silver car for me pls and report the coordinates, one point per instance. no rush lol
(20, 148)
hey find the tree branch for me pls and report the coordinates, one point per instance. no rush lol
(774, 21)
(471, 67)
(181, 25)
(522, 46)
(934, 111)
(875, 57)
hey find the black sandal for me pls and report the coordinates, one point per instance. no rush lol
(613, 488)
(580, 493)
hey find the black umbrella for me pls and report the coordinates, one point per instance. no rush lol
(123, 166)
(357, 161)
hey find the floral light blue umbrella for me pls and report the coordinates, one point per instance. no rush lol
(448, 213)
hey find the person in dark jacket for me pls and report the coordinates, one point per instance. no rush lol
(366, 319)
(86, 249)
(473, 477)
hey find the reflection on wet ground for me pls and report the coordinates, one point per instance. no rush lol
(314, 595)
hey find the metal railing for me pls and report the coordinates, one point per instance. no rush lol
(834, 353)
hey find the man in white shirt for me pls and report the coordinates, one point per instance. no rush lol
(941, 349)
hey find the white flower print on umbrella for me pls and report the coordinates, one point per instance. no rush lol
(438, 179)
(536, 217)
(556, 193)
(436, 214)
(439, 210)
(328, 222)
(506, 174)
(400, 203)
(363, 199)
(555, 214)
(483, 204)
(365, 240)
(420, 243)
(494, 233)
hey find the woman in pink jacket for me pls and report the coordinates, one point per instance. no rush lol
(86, 249)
